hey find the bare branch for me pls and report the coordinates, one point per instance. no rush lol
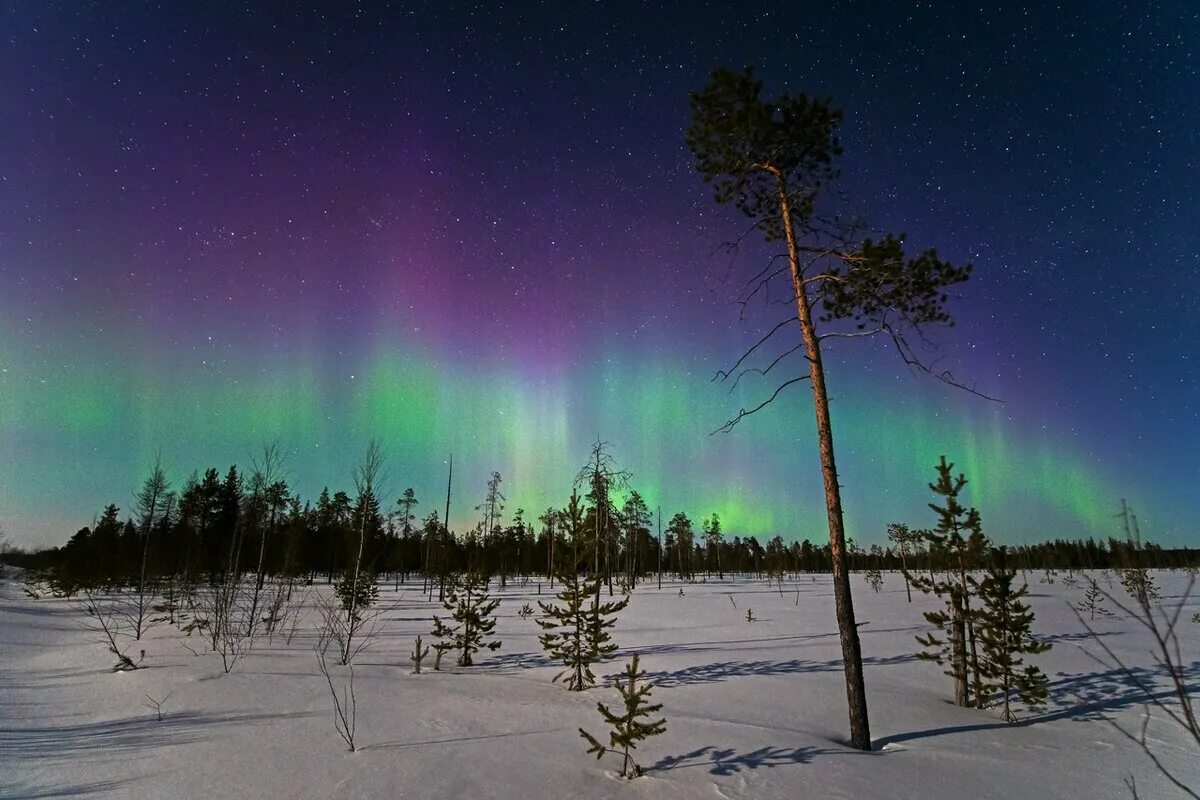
(723, 375)
(769, 367)
(1167, 657)
(945, 376)
(729, 425)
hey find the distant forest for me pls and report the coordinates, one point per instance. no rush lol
(252, 522)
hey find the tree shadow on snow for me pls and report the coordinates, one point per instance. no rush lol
(458, 739)
(1076, 636)
(30, 792)
(522, 660)
(727, 761)
(1077, 696)
(724, 670)
(120, 737)
(725, 645)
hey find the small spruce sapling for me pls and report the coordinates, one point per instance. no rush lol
(356, 594)
(874, 577)
(630, 727)
(472, 609)
(577, 628)
(444, 643)
(1005, 635)
(1093, 601)
(1140, 586)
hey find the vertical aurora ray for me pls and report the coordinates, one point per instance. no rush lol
(761, 479)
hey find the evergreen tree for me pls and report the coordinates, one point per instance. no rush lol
(1093, 601)
(874, 578)
(472, 609)
(899, 533)
(772, 158)
(959, 536)
(356, 596)
(1005, 635)
(489, 528)
(1140, 585)
(680, 529)
(712, 542)
(630, 727)
(401, 544)
(407, 502)
(577, 628)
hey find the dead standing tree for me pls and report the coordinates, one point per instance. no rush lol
(602, 477)
(771, 159)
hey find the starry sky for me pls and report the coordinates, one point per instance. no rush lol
(477, 230)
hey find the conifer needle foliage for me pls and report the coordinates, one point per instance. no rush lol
(1005, 635)
(472, 609)
(577, 628)
(958, 541)
(631, 725)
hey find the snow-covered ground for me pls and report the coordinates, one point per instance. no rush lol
(754, 710)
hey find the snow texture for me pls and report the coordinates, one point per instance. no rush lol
(753, 709)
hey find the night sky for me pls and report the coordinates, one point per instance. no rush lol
(478, 231)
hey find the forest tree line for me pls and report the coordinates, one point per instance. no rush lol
(251, 521)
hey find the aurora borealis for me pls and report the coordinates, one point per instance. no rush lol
(477, 231)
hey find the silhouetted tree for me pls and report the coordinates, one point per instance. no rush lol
(959, 536)
(628, 727)
(1005, 635)
(771, 158)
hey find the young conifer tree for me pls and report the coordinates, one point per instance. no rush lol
(631, 726)
(1140, 585)
(577, 627)
(472, 609)
(959, 537)
(1005, 635)
(899, 533)
(443, 641)
(1093, 601)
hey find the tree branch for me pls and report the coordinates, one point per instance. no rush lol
(729, 425)
(723, 375)
(770, 366)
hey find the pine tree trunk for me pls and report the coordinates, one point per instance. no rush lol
(958, 651)
(976, 677)
(856, 694)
